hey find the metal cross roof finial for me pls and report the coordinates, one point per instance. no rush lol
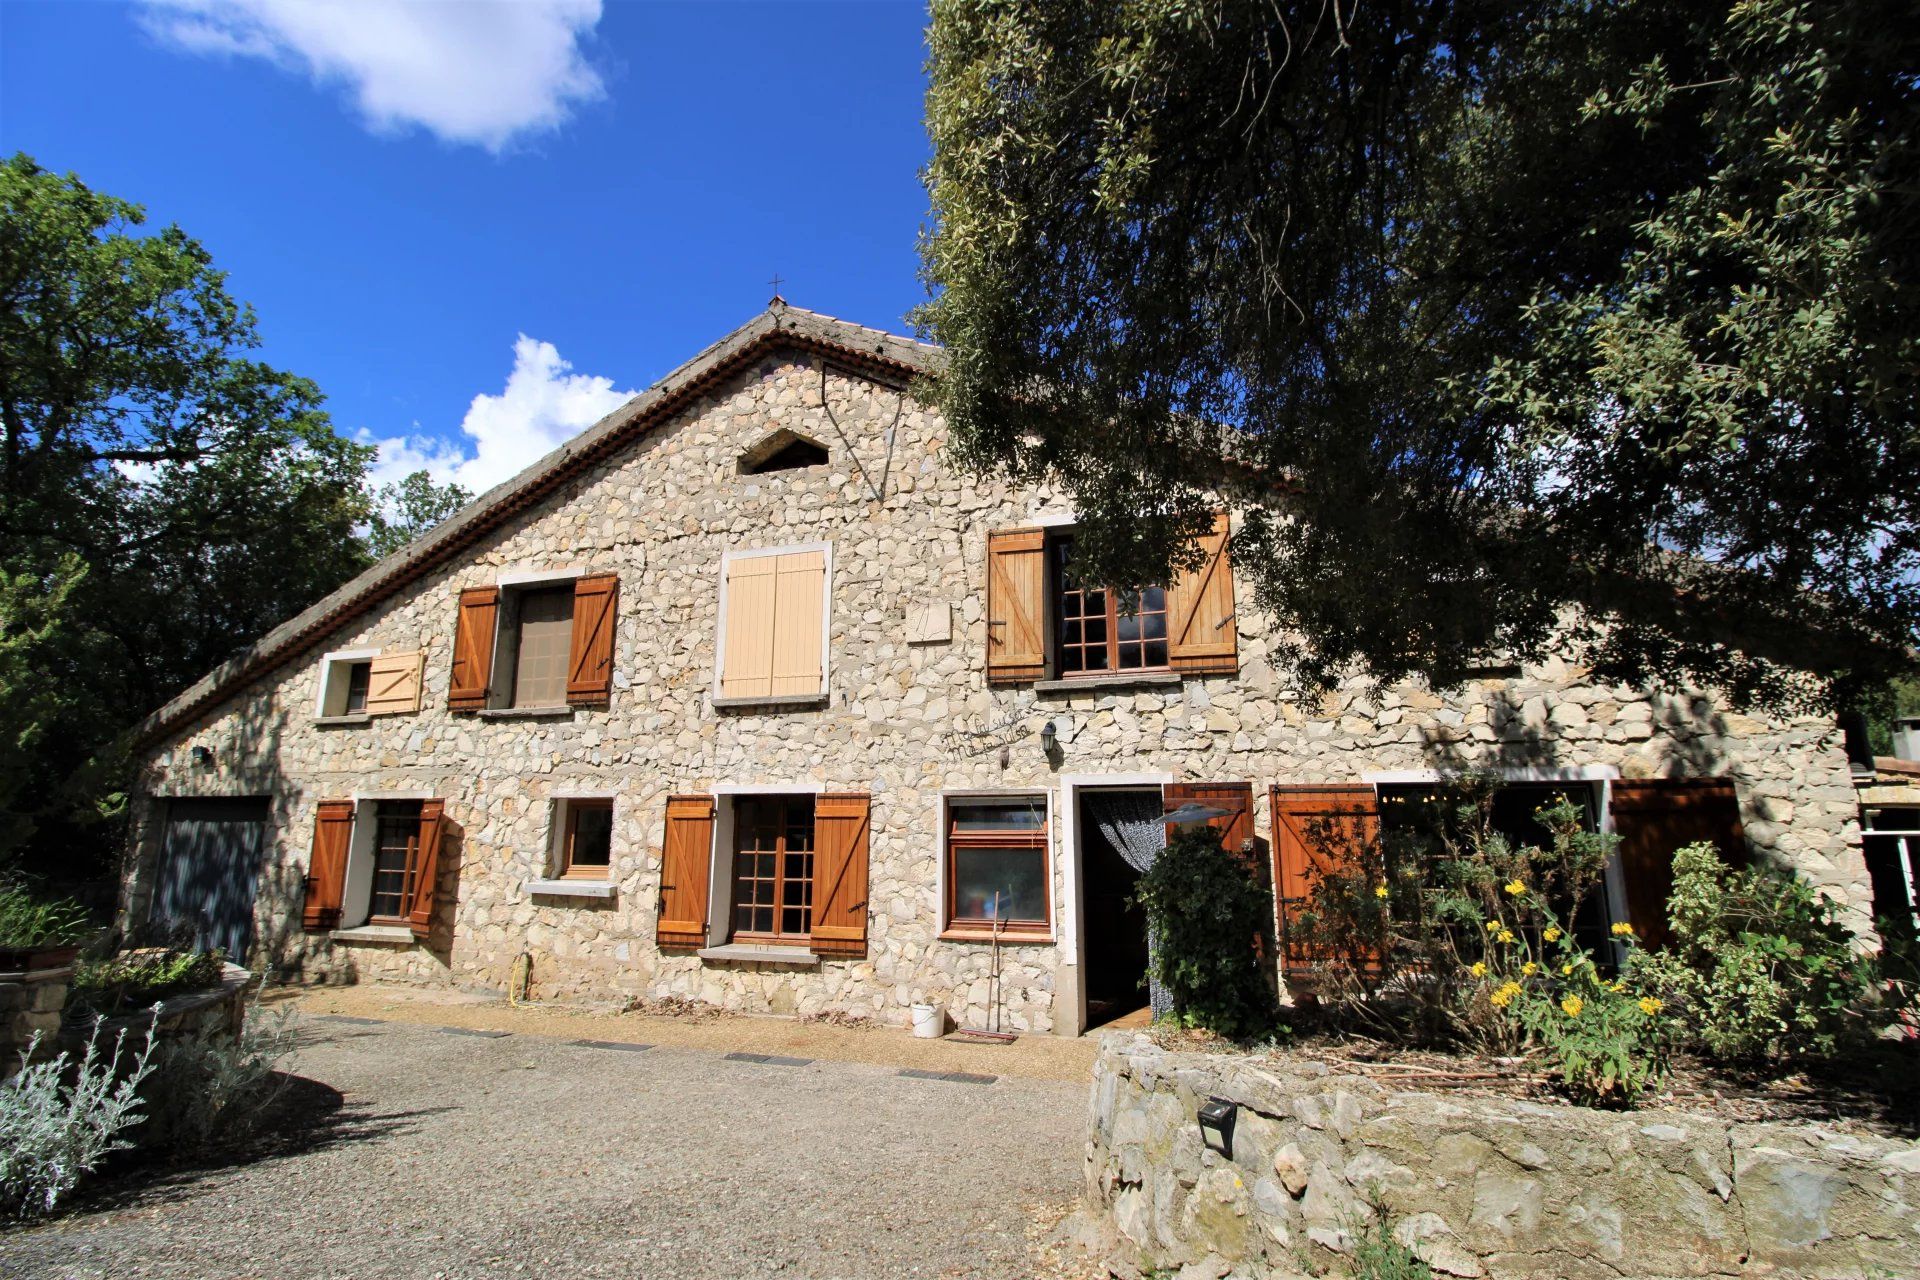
(776, 282)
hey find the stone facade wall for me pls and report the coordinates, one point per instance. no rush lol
(904, 721)
(1478, 1187)
(31, 999)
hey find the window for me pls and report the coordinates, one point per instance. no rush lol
(587, 850)
(997, 864)
(773, 868)
(534, 639)
(356, 683)
(784, 450)
(344, 680)
(396, 842)
(773, 624)
(357, 676)
(1101, 629)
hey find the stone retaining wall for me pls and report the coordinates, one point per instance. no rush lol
(219, 1011)
(1478, 1186)
(30, 1003)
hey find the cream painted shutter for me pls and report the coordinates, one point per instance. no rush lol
(393, 683)
(773, 625)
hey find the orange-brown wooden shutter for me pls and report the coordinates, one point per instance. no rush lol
(1314, 829)
(327, 868)
(840, 822)
(1016, 605)
(1656, 817)
(1236, 829)
(590, 657)
(393, 684)
(473, 648)
(424, 874)
(686, 863)
(1202, 637)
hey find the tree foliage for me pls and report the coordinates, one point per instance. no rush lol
(1566, 326)
(163, 498)
(1206, 915)
(409, 507)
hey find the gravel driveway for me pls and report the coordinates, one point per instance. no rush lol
(452, 1155)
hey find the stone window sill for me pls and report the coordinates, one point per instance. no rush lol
(525, 713)
(1122, 680)
(784, 702)
(1008, 937)
(391, 935)
(571, 888)
(339, 721)
(746, 953)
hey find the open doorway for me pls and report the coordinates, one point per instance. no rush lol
(1114, 928)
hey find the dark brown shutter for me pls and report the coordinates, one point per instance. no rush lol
(473, 648)
(327, 868)
(1016, 605)
(840, 824)
(1202, 638)
(424, 874)
(686, 862)
(1315, 830)
(1656, 817)
(590, 658)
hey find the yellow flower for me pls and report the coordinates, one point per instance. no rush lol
(1479, 969)
(1528, 969)
(1552, 934)
(1649, 1006)
(1623, 930)
(1379, 891)
(1492, 925)
(1573, 1005)
(1616, 986)
(1516, 887)
(1502, 997)
(1505, 935)
(1566, 969)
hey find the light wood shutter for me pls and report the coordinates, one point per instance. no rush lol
(686, 863)
(1656, 817)
(1201, 635)
(590, 657)
(424, 874)
(1016, 605)
(774, 629)
(840, 822)
(473, 648)
(1316, 830)
(393, 683)
(327, 867)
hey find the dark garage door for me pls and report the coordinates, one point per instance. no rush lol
(208, 866)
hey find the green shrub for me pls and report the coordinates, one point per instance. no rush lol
(28, 922)
(1759, 967)
(1606, 1040)
(213, 1090)
(1204, 913)
(59, 1119)
(1378, 1255)
(127, 982)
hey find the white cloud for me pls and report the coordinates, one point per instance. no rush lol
(479, 71)
(543, 406)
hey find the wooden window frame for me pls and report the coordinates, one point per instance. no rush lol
(1058, 544)
(573, 808)
(409, 891)
(359, 680)
(785, 800)
(958, 928)
(509, 629)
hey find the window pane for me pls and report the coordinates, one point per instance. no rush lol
(592, 835)
(1017, 876)
(358, 677)
(397, 828)
(1023, 814)
(546, 636)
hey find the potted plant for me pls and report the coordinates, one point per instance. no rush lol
(36, 935)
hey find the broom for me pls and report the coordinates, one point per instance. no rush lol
(993, 1034)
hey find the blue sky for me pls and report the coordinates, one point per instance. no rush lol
(432, 203)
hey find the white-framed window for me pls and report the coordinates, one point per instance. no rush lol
(775, 617)
(582, 847)
(996, 863)
(345, 675)
(532, 636)
(381, 884)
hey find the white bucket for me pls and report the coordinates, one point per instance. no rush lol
(929, 1020)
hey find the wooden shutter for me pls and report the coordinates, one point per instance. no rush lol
(327, 867)
(393, 683)
(424, 874)
(840, 822)
(1656, 817)
(1016, 605)
(799, 596)
(590, 657)
(686, 863)
(1201, 635)
(473, 648)
(1315, 829)
(1236, 829)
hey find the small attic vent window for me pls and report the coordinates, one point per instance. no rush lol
(784, 450)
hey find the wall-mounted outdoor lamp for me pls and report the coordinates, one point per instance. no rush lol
(202, 756)
(1049, 737)
(1216, 1124)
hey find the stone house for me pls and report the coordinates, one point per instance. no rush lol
(748, 695)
